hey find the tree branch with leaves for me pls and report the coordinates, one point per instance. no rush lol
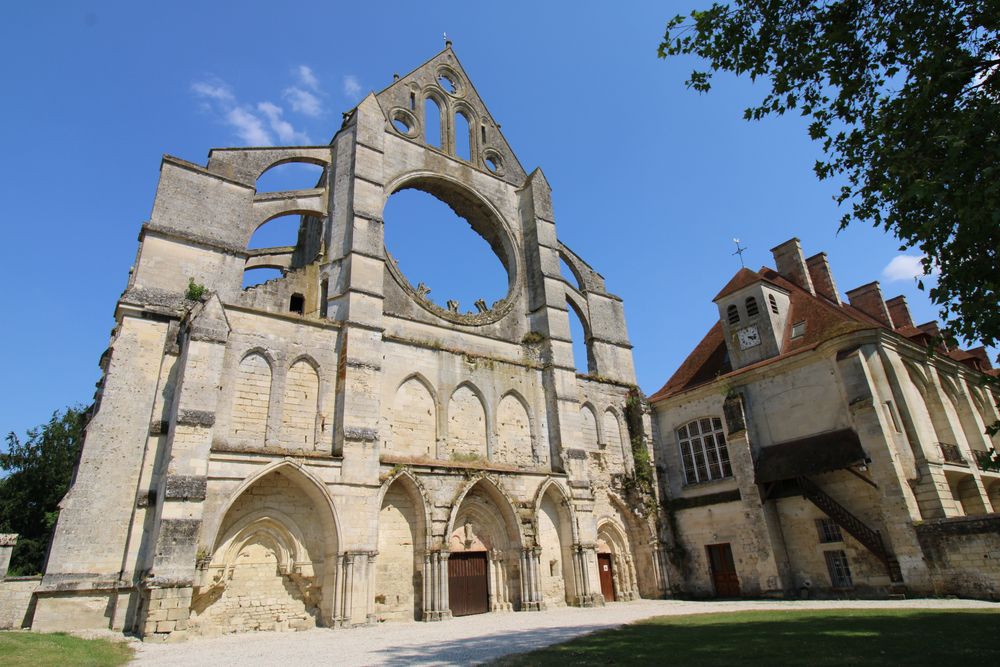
(904, 99)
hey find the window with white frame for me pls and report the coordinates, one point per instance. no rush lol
(840, 571)
(703, 450)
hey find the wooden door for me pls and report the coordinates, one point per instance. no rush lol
(720, 562)
(604, 566)
(468, 590)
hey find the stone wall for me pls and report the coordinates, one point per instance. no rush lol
(963, 555)
(16, 601)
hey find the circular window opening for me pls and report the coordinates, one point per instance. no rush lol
(403, 123)
(447, 82)
(450, 247)
(493, 163)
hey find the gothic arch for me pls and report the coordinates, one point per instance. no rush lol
(314, 487)
(555, 537)
(590, 427)
(419, 377)
(413, 418)
(263, 352)
(282, 560)
(552, 486)
(614, 436)
(403, 521)
(250, 398)
(300, 404)
(612, 538)
(467, 438)
(419, 494)
(511, 446)
(483, 520)
(504, 503)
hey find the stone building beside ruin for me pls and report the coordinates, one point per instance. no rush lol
(811, 445)
(330, 447)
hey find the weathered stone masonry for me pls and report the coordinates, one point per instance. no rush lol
(313, 450)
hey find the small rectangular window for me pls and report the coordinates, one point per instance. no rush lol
(483, 129)
(798, 329)
(840, 571)
(829, 531)
(413, 101)
(893, 415)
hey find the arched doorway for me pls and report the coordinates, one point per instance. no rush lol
(401, 548)
(555, 538)
(274, 553)
(616, 571)
(485, 548)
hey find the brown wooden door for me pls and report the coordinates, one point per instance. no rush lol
(468, 592)
(720, 562)
(604, 565)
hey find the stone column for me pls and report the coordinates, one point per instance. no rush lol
(436, 607)
(372, 619)
(7, 542)
(585, 596)
(531, 590)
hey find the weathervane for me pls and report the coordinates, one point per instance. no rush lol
(739, 251)
(447, 42)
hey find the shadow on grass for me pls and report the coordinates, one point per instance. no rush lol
(842, 637)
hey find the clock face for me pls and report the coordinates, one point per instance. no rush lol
(748, 337)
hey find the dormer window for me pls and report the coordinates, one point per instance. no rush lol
(751, 306)
(774, 303)
(733, 314)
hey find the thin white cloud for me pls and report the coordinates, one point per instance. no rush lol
(352, 87)
(248, 126)
(303, 101)
(286, 134)
(903, 267)
(213, 90)
(307, 77)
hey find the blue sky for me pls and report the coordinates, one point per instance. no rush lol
(650, 181)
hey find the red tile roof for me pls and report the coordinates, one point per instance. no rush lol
(824, 320)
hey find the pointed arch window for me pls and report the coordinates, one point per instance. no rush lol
(703, 450)
(733, 314)
(751, 304)
(432, 122)
(463, 137)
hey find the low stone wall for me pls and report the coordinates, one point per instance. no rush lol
(963, 555)
(15, 601)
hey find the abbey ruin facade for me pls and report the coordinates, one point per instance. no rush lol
(331, 447)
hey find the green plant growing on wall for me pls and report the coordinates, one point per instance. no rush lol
(194, 291)
(638, 485)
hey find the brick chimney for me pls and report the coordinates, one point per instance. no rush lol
(899, 311)
(822, 277)
(790, 263)
(868, 299)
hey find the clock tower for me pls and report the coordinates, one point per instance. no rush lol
(753, 312)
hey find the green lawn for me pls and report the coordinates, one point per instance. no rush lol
(21, 649)
(778, 638)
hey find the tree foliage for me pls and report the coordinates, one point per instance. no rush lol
(38, 474)
(904, 98)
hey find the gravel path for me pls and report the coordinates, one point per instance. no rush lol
(466, 640)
